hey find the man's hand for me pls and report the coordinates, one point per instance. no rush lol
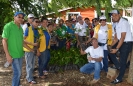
(78, 43)
(113, 50)
(35, 44)
(9, 58)
(89, 58)
(32, 51)
(38, 53)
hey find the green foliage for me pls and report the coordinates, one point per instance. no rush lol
(63, 57)
(39, 7)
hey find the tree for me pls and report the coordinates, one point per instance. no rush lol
(38, 7)
(41, 7)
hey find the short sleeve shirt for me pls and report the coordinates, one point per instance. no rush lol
(14, 36)
(95, 53)
(36, 33)
(123, 26)
(61, 31)
(81, 29)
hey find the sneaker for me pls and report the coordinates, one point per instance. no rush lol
(116, 81)
(94, 81)
(32, 82)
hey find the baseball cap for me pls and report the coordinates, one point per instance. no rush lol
(30, 15)
(79, 16)
(103, 17)
(17, 13)
(115, 11)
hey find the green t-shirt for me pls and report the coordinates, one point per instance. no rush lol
(61, 31)
(14, 36)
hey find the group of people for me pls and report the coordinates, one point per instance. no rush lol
(32, 42)
(107, 41)
(35, 37)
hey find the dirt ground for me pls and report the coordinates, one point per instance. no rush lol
(61, 78)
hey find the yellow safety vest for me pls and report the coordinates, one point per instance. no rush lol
(30, 38)
(43, 41)
(109, 32)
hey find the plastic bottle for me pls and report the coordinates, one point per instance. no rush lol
(7, 64)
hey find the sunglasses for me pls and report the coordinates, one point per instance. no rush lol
(31, 18)
(37, 21)
(102, 19)
(20, 17)
(95, 21)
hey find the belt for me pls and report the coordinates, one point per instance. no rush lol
(101, 44)
(82, 36)
(128, 41)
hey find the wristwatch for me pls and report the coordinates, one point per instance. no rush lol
(117, 49)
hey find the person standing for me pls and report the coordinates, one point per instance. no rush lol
(43, 52)
(31, 37)
(104, 33)
(81, 32)
(26, 25)
(13, 45)
(61, 34)
(124, 38)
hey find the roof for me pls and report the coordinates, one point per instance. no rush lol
(64, 9)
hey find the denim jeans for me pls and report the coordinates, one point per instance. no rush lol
(105, 61)
(124, 52)
(16, 66)
(30, 62)
(92, 67)
(43, 61)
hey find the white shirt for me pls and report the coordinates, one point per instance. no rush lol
(123, 26)
(103, 35)
(24, 27)
(95, 53)
(81, 29)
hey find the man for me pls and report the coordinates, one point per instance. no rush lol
(31, 37)
(87, 21)
(61, 34)
(13, 45)
(124, 38)
(95, 60)
(81, 31)
(44, 47)
(30, 19)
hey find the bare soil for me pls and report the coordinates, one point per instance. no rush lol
(61, 78)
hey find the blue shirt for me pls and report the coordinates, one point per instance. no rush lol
(69, 30)
(35, 31)
(47, 36)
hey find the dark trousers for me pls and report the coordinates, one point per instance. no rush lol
(62, 43)
(125, 49)
(43, 61)
(105, 61)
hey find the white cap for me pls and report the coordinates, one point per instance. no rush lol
(115, 11)
(30, 15)
(103, 17)
(79, 16)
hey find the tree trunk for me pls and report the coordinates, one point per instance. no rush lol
(130, 74)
